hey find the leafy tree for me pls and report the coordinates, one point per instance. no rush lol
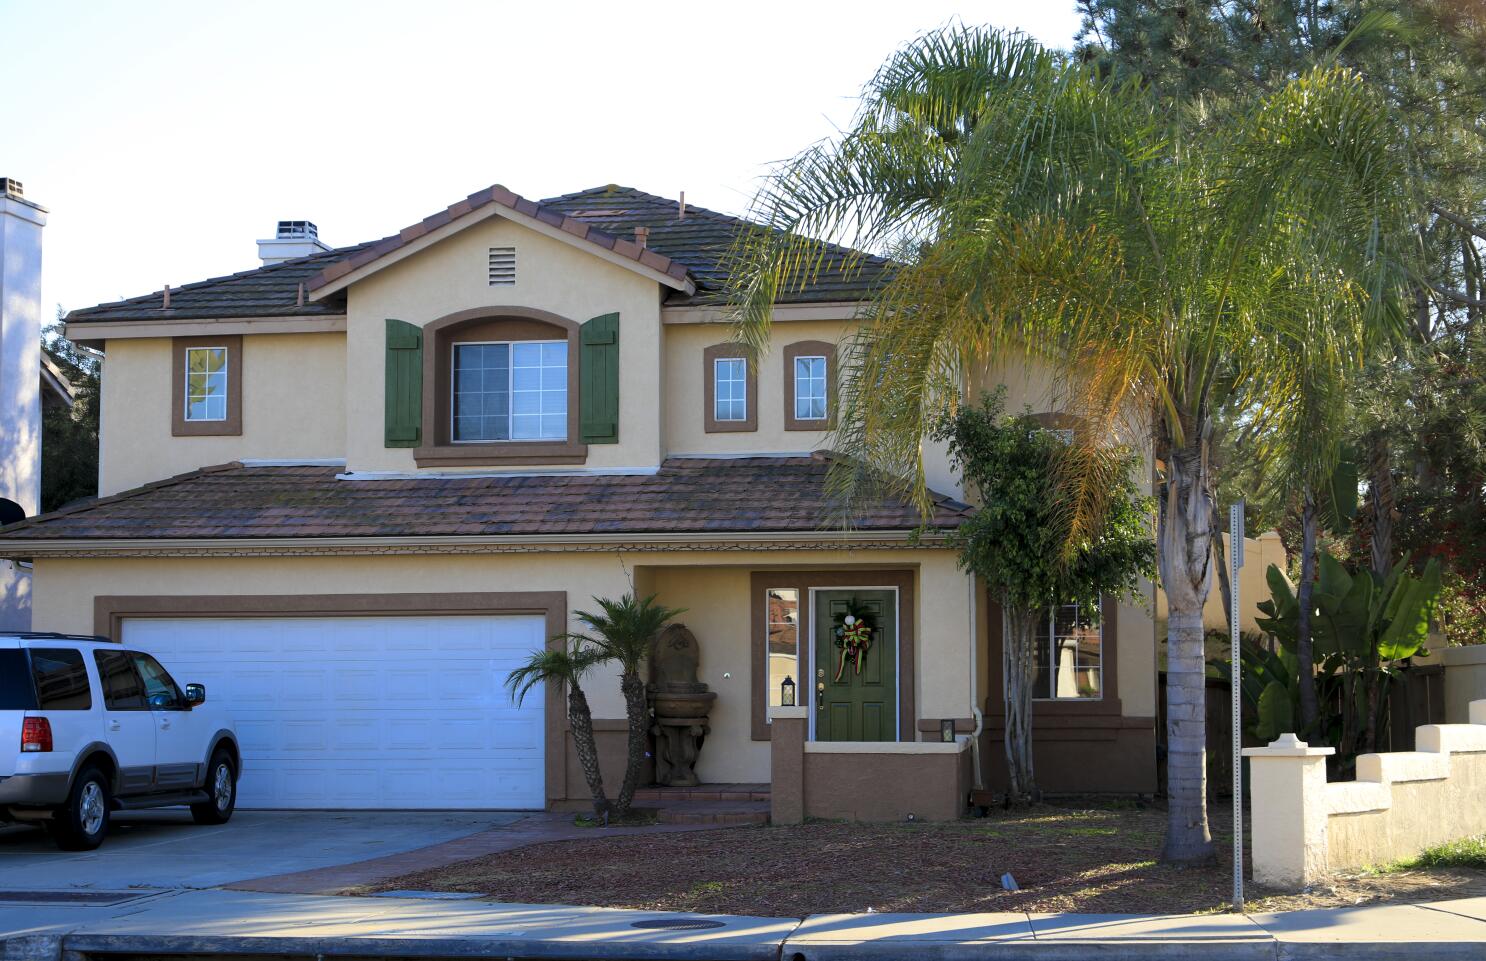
(69, 435)
(1426, 57)
(566, 666)
(1162, 262)
(1016, 542)
(625, 631)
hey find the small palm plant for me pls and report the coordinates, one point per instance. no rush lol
(566, 665)
(624, 631)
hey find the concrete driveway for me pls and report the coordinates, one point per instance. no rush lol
(164, 849)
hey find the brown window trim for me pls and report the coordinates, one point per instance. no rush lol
(493, 323)
(233, 425)
(710, 357)
(109, 612)
(1058, 714)
(809, 348)
(802, 581)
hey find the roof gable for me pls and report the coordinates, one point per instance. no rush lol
(479, 206)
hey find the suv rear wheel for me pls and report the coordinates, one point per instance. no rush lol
(221, 791)
(82, 823)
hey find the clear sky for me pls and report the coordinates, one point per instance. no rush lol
(166, 137)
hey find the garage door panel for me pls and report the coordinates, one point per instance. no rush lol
(368, 712)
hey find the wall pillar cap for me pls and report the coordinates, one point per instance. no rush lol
(798, 713)
(1288, 745)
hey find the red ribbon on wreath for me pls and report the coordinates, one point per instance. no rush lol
(855, 639)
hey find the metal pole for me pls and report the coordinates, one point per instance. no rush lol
(1235, 555)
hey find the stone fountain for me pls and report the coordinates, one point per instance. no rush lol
(681, 704)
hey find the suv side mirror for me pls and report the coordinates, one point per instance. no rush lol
(195, 694)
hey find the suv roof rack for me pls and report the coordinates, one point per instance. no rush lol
(55, 636)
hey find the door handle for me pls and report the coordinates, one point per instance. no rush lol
(820, 694)
(113, 725)
(164, 724)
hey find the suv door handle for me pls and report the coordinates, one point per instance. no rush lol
(113, 725)
(164, 724)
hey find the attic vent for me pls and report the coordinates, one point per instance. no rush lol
(502, 266)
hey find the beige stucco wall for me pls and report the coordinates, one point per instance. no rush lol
(685, 372)
(551, 275)
(713, 586)
(1400, 804)
(293, 401)
(1465, 680)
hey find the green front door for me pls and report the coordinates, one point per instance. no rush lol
(855, 703)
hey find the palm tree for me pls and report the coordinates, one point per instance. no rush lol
(566, 666)
(1162, 262)
(625, 631)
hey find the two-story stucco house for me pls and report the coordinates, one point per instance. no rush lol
(350, 489)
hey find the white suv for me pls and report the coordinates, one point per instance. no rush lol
(88, 728)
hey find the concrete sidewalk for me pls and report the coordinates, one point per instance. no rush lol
(245, 923)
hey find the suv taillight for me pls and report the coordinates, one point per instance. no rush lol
(36, 735)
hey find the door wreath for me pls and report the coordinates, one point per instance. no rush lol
(853, 632)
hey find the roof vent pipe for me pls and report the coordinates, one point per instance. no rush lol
(681, 215)
(642, 235)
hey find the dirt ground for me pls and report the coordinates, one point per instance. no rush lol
(1089, 859)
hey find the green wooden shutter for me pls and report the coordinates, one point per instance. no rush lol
(404, 384)
(598, 374)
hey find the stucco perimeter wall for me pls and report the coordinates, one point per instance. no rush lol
(1465, 680)
(552, 276)
(867, 782)
(713, 585)
(293, 407)
(1401, 803)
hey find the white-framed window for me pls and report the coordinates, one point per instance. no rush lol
(1070, 655)
(510, 391)
(810, 388)
(782, 640)
(206, 383)
(730, 389)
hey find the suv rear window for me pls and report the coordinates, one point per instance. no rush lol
(16, 692)
(61, 680)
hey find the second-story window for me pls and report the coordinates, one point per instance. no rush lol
(730, 389)
(510, 391)
(810, 388)
(206, 384)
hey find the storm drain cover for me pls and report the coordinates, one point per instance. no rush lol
(70, 897)
(678, 924)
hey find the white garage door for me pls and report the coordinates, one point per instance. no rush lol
(367, 712)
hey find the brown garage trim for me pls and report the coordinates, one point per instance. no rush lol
(493, 323)
(803, 581)
(109, 612)
(233, 425)
(711, 424)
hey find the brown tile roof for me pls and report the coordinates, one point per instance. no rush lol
(695, 247)
(693, 496)
(501, 197)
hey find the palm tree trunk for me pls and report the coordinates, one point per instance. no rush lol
(635, 708)
(581, 721)
(1019, 673)
(1185, 541)
(1380, 505)
(1310, 711)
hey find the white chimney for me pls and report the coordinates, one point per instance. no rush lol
(294, 238)
(20, 381)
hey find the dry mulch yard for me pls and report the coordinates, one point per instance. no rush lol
(1085, 859)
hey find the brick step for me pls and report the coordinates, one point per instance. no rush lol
(705, 792)
(721, 813)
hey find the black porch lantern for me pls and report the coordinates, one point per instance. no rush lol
(787, 692)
